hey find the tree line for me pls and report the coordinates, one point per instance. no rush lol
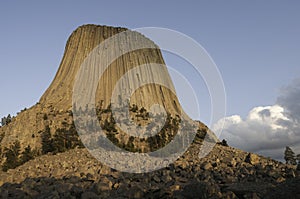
(14, 156)
(61, 141)
(6, 120)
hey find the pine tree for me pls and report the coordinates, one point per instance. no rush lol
(8, 119)
(289, 156)
(3, 121)
(224, 142)
(47, 145)
(59, 141)
(12, 156)
(27, 155)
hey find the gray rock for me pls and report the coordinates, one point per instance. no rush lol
(89, 195)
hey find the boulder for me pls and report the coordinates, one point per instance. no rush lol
(252, 159)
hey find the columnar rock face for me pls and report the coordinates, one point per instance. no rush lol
(80, 45)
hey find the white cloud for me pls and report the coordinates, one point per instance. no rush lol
(267, 130)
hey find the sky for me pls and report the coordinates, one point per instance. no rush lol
(255, 45)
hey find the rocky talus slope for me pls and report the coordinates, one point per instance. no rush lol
(42, 155)
(225, 173)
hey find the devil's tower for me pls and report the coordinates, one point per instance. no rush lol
(54, 110)
(83, 41)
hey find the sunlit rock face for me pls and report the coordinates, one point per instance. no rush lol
(87, 39)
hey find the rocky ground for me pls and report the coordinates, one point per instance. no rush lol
(225, 173)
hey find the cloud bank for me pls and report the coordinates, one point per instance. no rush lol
(267, 130)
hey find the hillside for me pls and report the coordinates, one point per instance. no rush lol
(43, 156)
(225, 173)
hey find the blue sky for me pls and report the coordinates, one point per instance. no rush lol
(255, 44)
